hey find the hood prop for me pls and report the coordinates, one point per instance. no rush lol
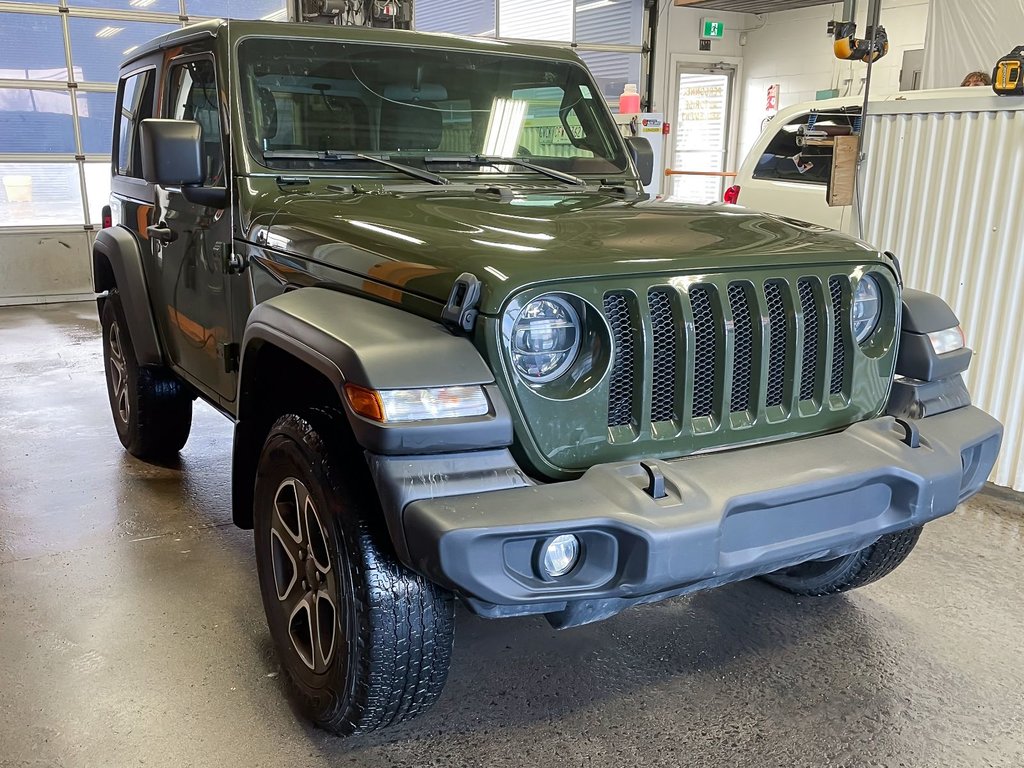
(460, 312)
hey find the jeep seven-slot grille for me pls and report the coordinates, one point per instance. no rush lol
(798, 325)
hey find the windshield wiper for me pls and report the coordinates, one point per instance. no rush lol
(568, 178)
(333, 156)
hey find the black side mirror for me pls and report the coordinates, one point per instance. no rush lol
(642, 155)
(172, 156)
(172, 152)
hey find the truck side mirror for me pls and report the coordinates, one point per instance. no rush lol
(172, 152)
(642, 154)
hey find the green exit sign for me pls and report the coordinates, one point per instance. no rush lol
(710, 28)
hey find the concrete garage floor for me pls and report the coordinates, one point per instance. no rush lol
(131, 630)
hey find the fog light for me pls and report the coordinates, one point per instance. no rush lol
(560, 555)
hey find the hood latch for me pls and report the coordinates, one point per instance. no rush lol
(460, 311)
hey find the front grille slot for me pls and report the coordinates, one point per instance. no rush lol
(621, 384)
(778, 330)
(663, 383)
(835, 288)
(811, 318)
(743, 347)
(705, 351)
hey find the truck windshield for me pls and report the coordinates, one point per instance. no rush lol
(308, 102)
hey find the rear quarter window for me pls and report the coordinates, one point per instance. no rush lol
(134, 104)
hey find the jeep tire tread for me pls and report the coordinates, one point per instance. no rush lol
(394, 628)
(829, 577)
(152, 408)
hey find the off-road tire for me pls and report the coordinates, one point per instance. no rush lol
(829, 577)
(392, 631)
(152, 408)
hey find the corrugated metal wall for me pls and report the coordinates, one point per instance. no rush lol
(944, 191)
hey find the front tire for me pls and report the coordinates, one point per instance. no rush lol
(152, 408)
(365, 642)
(829, 577)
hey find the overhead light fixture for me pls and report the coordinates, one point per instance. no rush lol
(141, 3)
(507, 119)
(106, 32)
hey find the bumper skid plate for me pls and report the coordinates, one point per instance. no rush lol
(723, 517)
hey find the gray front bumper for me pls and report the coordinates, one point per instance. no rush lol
(727, 516)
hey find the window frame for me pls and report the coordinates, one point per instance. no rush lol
(167, 98)
(119, 116)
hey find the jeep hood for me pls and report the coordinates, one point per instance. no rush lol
(419, 240)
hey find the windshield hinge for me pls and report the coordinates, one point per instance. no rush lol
(460, 311)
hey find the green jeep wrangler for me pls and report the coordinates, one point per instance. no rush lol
(466, 356)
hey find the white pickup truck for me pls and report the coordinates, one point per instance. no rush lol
(942, 187)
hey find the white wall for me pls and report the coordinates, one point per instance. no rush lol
(967, 37)
(795, 51)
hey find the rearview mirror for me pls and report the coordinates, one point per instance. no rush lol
(172, 152)
(642, 154)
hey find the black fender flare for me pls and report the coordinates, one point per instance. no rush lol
(117, 263)
(350, 339)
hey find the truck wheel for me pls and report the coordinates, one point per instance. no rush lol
(152, 408)
(365, 642)
(829, 577)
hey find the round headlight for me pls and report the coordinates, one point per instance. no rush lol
(545, 339)
(867, 308)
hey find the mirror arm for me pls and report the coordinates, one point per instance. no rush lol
(211, 197)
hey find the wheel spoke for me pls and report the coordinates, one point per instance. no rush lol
(286, 569)
(317, 537)
(287, 504)
(326, 627)
(301, 630)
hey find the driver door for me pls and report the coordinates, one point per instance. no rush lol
(191, 241)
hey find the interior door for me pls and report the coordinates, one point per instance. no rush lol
(193, 281)
(701, 131)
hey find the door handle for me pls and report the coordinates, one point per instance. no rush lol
(161, 232)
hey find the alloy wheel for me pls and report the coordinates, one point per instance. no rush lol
(304, 576)
(118, 373)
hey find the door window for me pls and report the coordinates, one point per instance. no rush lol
(193, 96)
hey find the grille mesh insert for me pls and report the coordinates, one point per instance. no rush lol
(809, 308)
(743, 347)
(705, 352)
(620, 394)
(663, 386)
(835, 288)
(779, 330)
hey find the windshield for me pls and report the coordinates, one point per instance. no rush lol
(311, 104)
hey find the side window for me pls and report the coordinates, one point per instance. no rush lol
(193, 96)
(135, 105)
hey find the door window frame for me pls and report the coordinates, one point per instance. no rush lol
(671, 89)
(166, 102)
